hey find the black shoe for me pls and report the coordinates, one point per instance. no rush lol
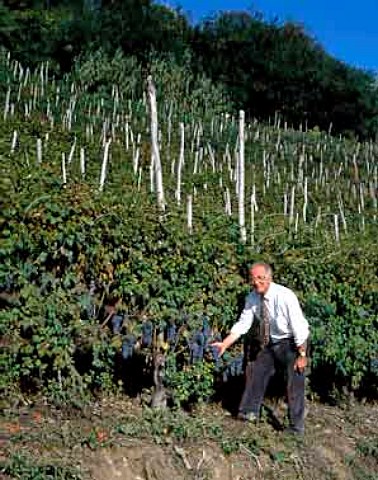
(294, 431)
(248, 417)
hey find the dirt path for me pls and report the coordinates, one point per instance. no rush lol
(119, 440)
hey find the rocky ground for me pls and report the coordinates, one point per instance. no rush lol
(117, 438)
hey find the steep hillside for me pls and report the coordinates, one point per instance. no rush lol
(102, 266)
(117, 439)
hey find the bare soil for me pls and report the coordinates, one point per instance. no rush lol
(117, 439)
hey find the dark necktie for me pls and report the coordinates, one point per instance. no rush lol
(265, 327)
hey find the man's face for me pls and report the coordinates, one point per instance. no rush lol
(259, 279)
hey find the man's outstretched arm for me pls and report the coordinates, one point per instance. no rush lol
(240, 328)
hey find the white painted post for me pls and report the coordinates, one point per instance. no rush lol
(285, 204)
(292, 204)
(6, 106)
(139, 178)
(252, 219)
(72, 152)
(241, 177)
(14, 141)
(127, 135)
(154, 143)
(305, 200)
(64, 171)
(228, 207)
(341, 208)
(39, 151)
(152, 176)
(104, 164)
(211, 155)
(136, 160)
(180, 162)
(82, 162)
(336, 223)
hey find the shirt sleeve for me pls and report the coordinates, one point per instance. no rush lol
(298, 322)
(244, 323)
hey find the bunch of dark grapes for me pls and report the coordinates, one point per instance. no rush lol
(206, 329)
(117, 322)
(128, 345)
(197, 347)
(147, 331)
(234, 368)
(171, 333)
(213, 351)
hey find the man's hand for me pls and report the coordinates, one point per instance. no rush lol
(219, 346)
(227, 342)
(300, 364)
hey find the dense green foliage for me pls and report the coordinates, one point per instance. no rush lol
(20, 466)
(58, 237)
(268, 68)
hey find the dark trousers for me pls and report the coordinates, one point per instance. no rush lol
(259, 372)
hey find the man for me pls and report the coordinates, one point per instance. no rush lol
(278, 334)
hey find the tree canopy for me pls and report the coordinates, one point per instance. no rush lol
(268, 68)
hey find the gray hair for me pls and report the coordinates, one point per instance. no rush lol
(268, 269)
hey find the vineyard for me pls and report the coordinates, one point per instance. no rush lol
(128, 222)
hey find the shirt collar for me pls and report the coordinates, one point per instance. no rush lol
(270, 292)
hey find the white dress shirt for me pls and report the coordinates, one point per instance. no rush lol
(285, 315)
